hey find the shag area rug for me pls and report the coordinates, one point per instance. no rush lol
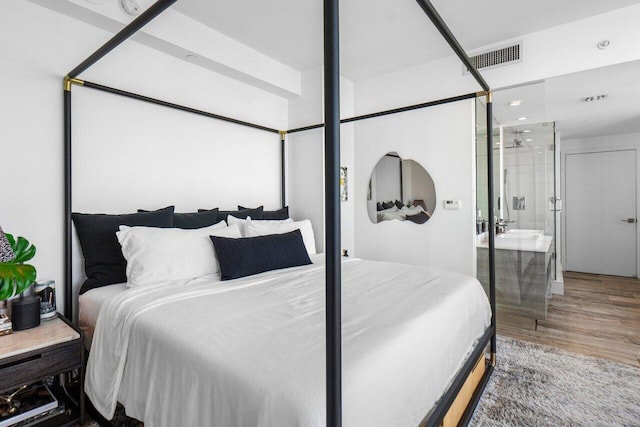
(536, 385)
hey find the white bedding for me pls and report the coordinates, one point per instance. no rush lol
(250, 352)
(89, 305)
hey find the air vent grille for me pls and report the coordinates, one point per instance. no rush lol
(503, 56)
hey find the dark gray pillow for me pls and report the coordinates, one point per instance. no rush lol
(192, 220)
(379, 206)
(387, 205)
(103, 260)
(419, 218)
(253, 255)
(282, 213)
(242, 213)
(398, 204)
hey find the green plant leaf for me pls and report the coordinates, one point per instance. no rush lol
(22, 248)
(15, 276)
(6, 288)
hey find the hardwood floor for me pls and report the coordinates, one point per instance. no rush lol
(597, 316)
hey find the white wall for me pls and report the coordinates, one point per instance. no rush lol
(305, 151)
(595, 144)
(127, 155)
(441, 139)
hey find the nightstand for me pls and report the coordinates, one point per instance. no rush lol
(55, 347)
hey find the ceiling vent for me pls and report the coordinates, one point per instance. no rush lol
(506, 55)
(595, 98)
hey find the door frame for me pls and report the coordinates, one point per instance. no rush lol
(563, 183)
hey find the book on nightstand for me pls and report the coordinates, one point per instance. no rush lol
(5, 324)
(33, 403)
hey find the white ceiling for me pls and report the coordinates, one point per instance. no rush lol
(561, 99)
(379, 36)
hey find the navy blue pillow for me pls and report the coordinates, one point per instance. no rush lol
(282, 213)
(103, 260)
(192, 220)
(253, 255)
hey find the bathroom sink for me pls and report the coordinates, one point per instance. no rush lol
(518, 236)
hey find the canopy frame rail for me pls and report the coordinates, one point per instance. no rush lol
(332, 161)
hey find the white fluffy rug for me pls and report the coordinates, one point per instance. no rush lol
(536, 385)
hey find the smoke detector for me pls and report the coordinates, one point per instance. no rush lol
(130, 7)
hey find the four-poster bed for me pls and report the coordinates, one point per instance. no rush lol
(333, 262)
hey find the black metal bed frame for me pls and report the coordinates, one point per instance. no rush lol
(332, 193)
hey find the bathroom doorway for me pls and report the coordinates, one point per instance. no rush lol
(600, 212)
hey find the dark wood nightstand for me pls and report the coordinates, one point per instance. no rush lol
(55, 347)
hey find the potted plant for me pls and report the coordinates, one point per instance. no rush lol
(15, 275)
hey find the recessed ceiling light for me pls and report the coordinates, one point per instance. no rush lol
(526, 130)
(523, 118)
(603, 44)
(528, 139)
(515, 103)
(191, 57)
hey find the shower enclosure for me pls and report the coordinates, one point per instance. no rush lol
(524, 179)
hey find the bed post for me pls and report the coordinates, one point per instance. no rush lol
(332, 213)
(68, 291)
(283, 168)
(492, 231)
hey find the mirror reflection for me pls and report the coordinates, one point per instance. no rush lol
(400, 189)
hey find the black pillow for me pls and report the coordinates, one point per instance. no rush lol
(278, 214)
(419, 218)
(242, 214)
(387, 205)
(192, 220)
(379, 206)
(103, 260)
(253, 255)
(398, 204)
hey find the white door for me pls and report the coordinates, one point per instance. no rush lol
(600, 212)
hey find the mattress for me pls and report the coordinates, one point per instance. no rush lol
(89, 305)
(250, 351)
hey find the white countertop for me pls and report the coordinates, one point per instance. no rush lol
(517, 240)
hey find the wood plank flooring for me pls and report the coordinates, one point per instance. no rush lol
(597, 315)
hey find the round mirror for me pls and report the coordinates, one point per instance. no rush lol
(400, 189)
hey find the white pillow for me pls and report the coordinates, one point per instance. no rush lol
(261, 228)
(242, 222)
(157, 255)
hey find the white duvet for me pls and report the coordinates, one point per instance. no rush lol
(250, 352)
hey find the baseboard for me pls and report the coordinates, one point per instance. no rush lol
(557, 285)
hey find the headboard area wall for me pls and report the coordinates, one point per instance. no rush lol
(130, 155)
(122, 145)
